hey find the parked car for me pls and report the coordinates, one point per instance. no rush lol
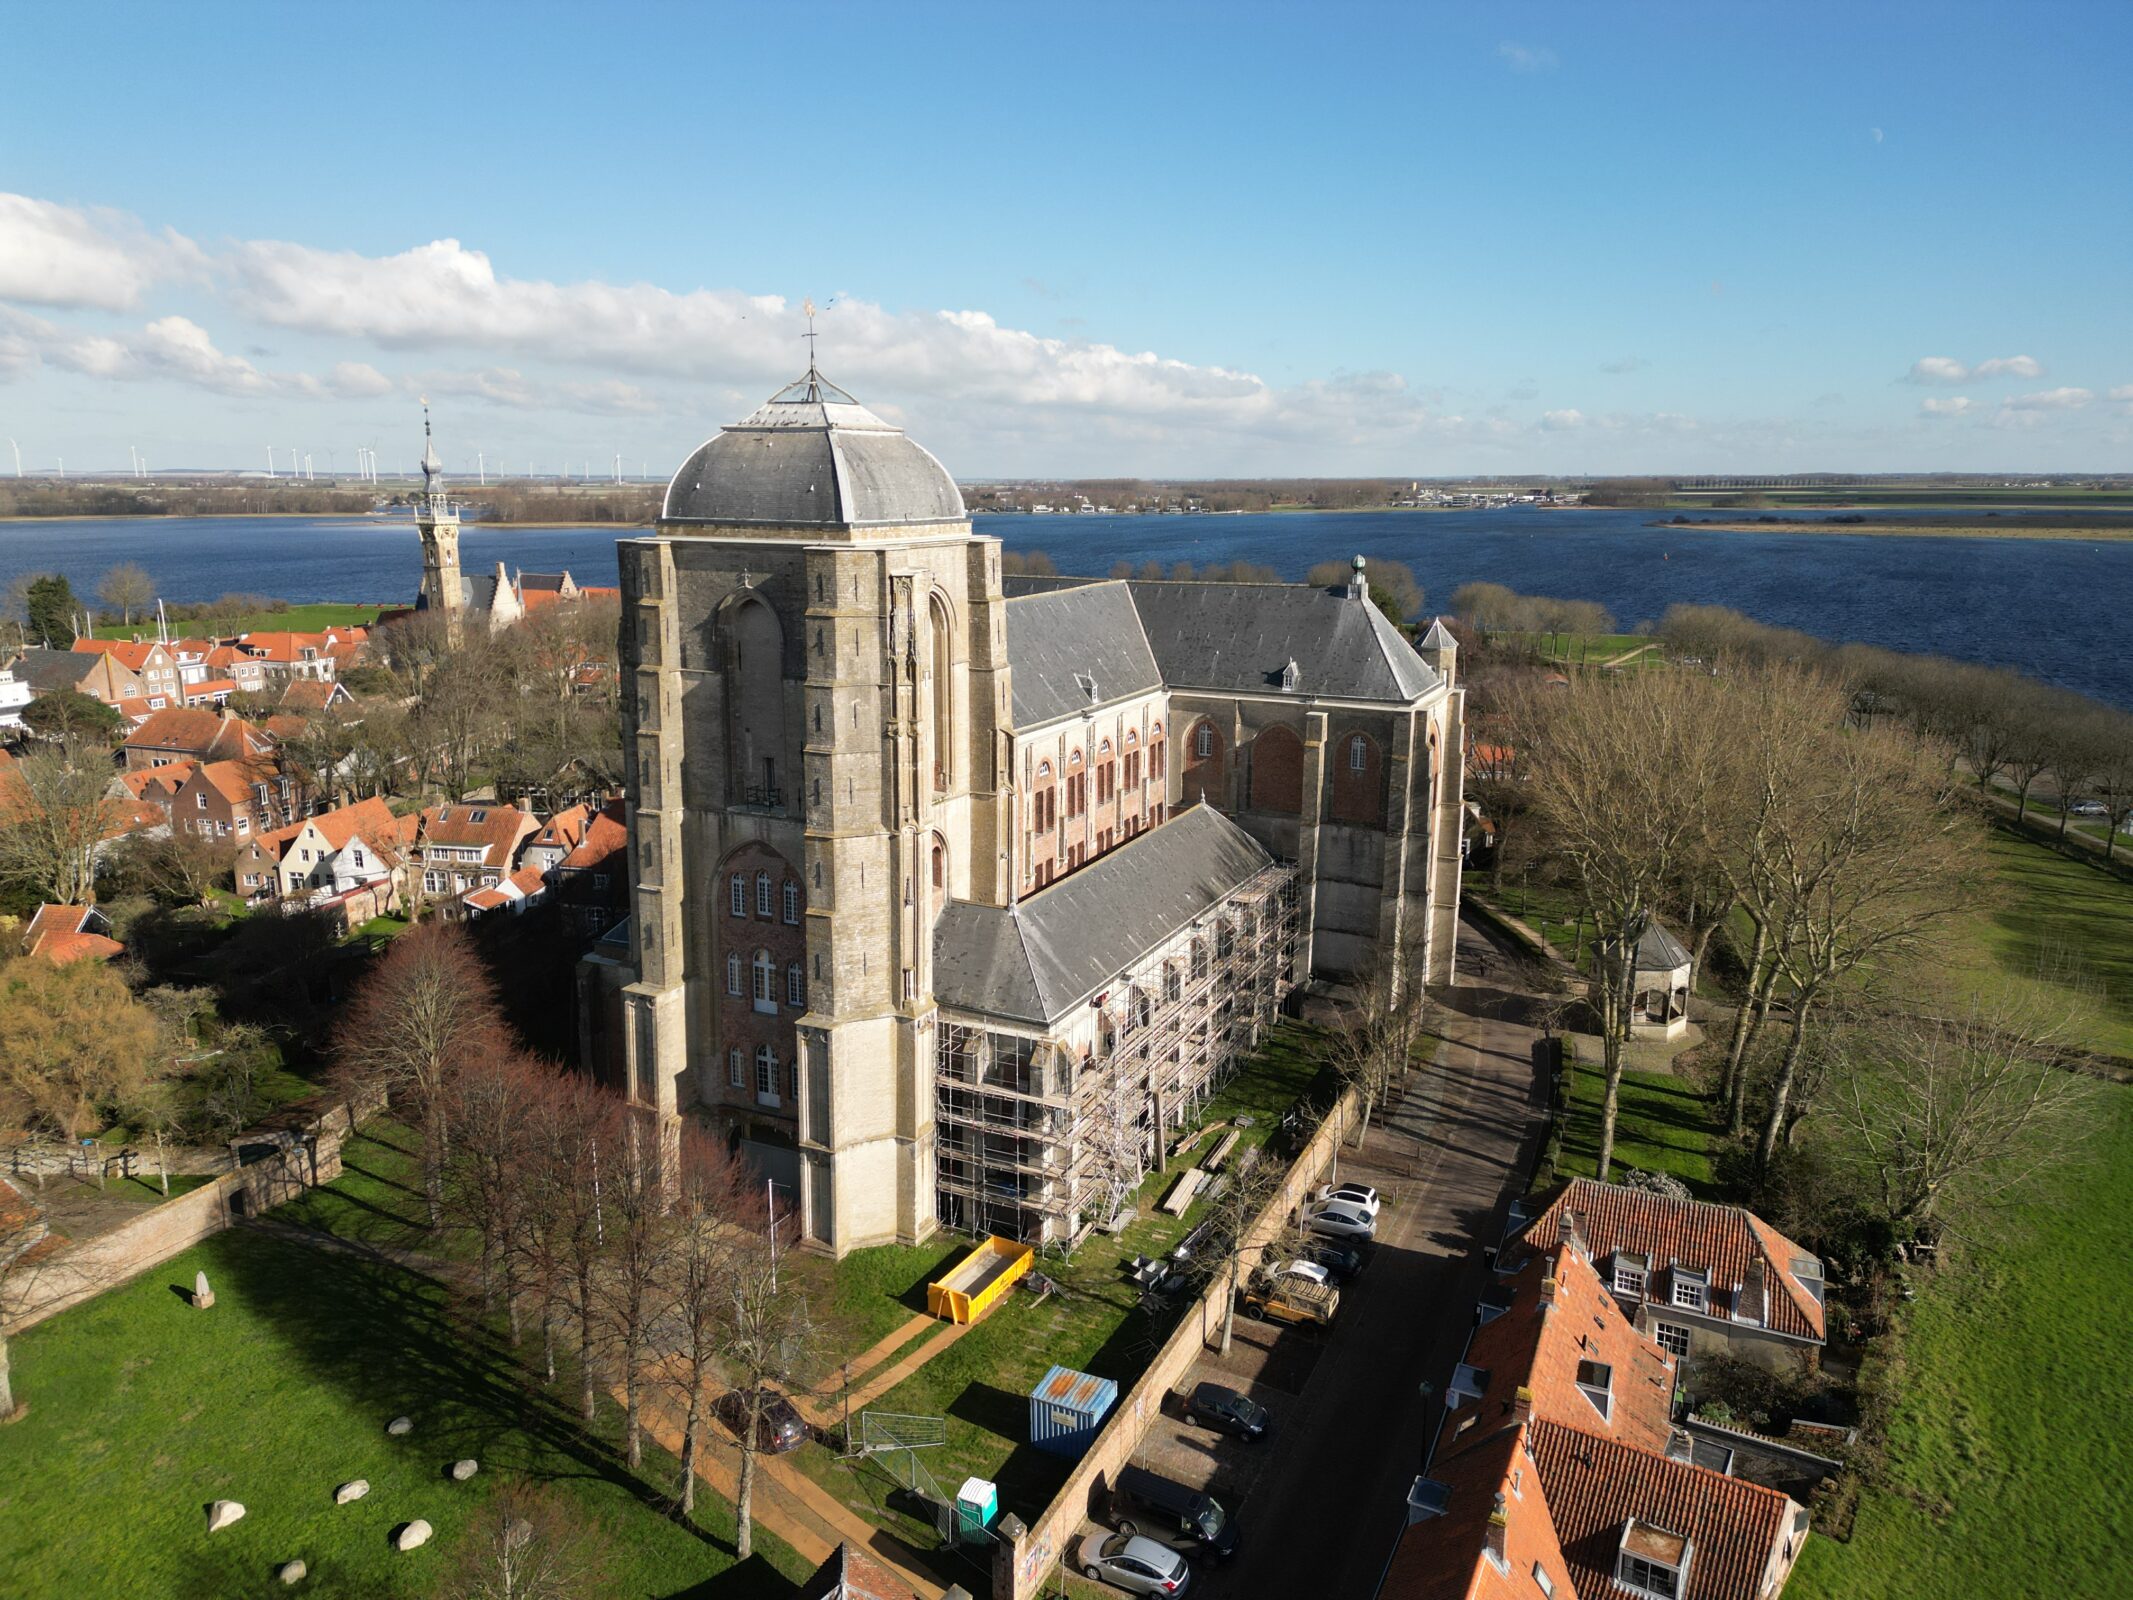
(1309, 1271)
(1135, 1563)
(1299, 1302)
(1342, 1260)
(779, 1427)
(1165, 1510)
(1212, 1405)
(2088, 808)
(1339, 1220)
(1360, 1195)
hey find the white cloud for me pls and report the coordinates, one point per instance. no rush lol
(2123, 392)
(1564, 420)
(1945, 369)
(1526, 58)
(2050, 400)
(72, 256)
(1951, 406)
(172, 348)
(358, 380)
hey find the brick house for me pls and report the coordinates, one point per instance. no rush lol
(194, 733)
(91, 672)
(147, 659)
(235, 800)
(592, 882)
(1699, 1278)
(1557, 1470)
(468, 846)
(348, 847)
(318, 656)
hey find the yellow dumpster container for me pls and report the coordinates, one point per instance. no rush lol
(978, 1280)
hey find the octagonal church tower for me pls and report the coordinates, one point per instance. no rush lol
(816, 713)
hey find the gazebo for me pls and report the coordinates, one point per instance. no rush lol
(1659, 1007)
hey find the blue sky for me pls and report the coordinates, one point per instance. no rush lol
(1155, 239)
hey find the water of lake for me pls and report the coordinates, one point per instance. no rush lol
(2055, 608)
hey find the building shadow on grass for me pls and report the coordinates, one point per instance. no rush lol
(387, 1337)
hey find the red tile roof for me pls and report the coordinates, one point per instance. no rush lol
(1728, 1242)
(132, 653)
(1445, 1557)
(199, 731)
(1595, 1486)
(1532, 1351)
(603, 838)
(168, 778)
(61, 934)
(497, 833)
(564, 829)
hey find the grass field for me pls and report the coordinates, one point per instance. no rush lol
(143, 1409)
(2053, 929)
(1662, 1124)
(309, 618)
(2008, 1455)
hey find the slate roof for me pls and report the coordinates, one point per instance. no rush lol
(812, 456)
(1062, 640)
(46, 670)
(1724, 1241)
(1595, 1485)
(1037, 962)
(1235, 638)
(1658, 950)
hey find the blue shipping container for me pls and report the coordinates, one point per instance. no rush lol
(1066, 1408)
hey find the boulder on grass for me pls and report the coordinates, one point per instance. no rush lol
(292, 1572)
(353, 1489)
(413, 1534)
(222, 1513)
(400, 1425)
(463, 1470)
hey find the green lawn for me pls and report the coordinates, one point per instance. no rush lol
(2053, 927)
(310, 618)
(143, 1409)
(2008, 1456)
(1662, 1124)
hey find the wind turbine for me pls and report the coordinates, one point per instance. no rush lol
(270, 461)
(18, 456)
(481, 468)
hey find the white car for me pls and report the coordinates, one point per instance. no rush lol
(1340, 1219)
(1134, 1563)
(1360, 1195)
(2088, 808)
(1310, 1270)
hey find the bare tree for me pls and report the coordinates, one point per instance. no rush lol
(1623, 767)
(717, 1214)
(527, 1543)
(1946, 1112)
(56, 812)
(428, 1010)
(1373, 1046)
(128, 587)
(1228, 1246)
(488, 1185)
(633, 1278)
(25, 1238)
(565, 1116)
(768, 1337)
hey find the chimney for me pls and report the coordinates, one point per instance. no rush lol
(1522, 1403)
(1567, 1227)
(1547, 1293)
(1499, 1526)
(1679, 1446)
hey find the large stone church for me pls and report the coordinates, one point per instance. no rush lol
(955, 893)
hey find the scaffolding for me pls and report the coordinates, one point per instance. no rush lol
(1017, 1118)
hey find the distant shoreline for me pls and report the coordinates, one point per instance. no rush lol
(299, 516)
(1984, 529)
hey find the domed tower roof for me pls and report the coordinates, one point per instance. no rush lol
(812, 457)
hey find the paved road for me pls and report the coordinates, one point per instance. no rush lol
(1329, 1498)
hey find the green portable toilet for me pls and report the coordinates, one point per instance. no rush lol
(976, 1504)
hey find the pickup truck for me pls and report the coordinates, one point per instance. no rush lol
(1296, 1301)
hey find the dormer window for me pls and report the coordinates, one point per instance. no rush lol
(1290, 676)
(1691, 1289)
(1632, 1272)
(1652, 1561)
(1596, 1382)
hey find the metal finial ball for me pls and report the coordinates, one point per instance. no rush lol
(1359, 563)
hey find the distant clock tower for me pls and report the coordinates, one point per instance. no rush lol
(437, 521)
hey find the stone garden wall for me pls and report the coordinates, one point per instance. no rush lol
(1021, 1563)
(302, 1156)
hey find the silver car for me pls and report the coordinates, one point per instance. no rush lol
(1342, 1219)
(1134, 1563)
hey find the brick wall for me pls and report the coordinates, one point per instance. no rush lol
(1020, 1565)
(69, 1277)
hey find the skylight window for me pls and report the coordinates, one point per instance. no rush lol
(1596, 1382)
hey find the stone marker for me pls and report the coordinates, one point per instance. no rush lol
(221, 1514)
(353, 1489)
(415, 1533)
(463, 1470)
(203, 1296)
(400, 1425)
(292, 1572)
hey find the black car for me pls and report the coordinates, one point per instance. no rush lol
(1227, 1411)
(1342, 1261)
(779, 1427)
(1168, 1512)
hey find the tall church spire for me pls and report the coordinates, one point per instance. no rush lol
(437, 523)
